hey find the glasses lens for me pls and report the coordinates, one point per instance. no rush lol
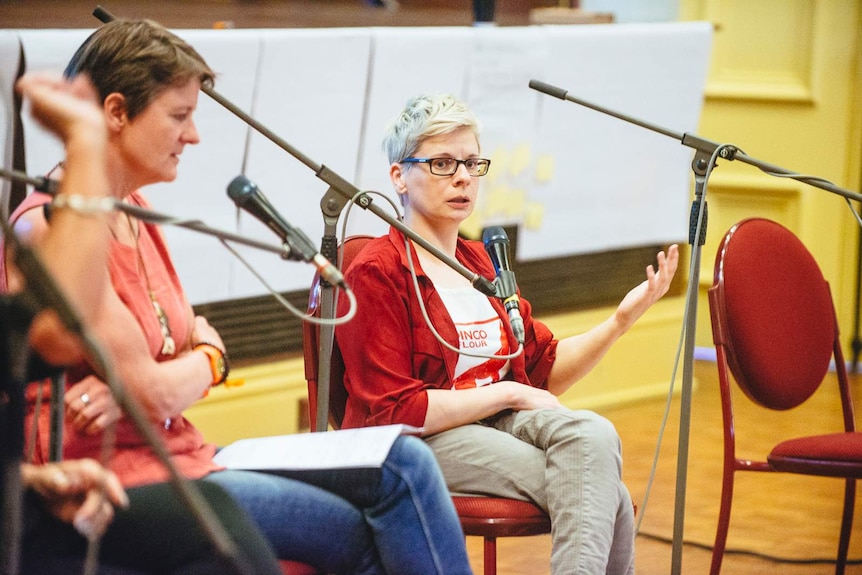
(478, 167)
(443, 166)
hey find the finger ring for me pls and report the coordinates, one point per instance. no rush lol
(85, 399)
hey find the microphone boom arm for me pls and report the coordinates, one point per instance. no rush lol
(198, 226)
(708, 147)
(49, 186)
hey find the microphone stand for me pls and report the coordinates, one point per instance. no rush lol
(44, 291)
(704, 151)
(333, 202)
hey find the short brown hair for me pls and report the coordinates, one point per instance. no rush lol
(138, 59)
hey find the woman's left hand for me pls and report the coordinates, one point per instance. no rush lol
(642, 296)
(90, 406)
(203, 332)
(77, 491)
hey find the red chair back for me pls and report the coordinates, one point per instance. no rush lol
(311, 343)
(777, 322)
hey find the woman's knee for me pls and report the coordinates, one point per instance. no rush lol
(604, 429)
(411, 454)
(598, 430)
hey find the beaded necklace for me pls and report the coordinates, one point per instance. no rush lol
(169, 346)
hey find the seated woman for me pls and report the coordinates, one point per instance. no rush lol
(495, 424)
(65, 504)
(398, 521)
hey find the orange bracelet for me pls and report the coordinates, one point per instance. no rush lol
(218, 361)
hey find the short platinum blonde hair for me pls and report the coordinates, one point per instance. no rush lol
(423, 117)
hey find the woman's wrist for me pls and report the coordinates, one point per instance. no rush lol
(87, 141)
(84, 205)
(218, 362)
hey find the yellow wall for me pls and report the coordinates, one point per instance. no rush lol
(268, 403)
(785, 86)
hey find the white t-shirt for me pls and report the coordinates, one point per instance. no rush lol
(480, 331)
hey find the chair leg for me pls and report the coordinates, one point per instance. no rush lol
(846, 526)
(723, 524)
(490, 561)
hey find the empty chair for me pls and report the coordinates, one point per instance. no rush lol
(775, 331)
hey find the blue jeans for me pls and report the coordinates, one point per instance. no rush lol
(397, 519)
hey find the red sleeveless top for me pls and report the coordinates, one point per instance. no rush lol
(132, 459)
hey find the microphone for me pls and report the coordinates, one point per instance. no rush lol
(246, 195)
(497, 245)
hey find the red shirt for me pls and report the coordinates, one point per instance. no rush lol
(391, 357)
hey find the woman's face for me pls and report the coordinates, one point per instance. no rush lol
(152, 142)
(434, 200)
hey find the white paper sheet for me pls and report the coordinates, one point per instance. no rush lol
(365, 447)
(46, 51)
(206, 168)
(405, 62)
(613, 184)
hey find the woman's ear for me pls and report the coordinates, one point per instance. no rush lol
(114, 107)
(396, 174)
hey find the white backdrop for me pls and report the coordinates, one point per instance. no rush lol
(573, 179)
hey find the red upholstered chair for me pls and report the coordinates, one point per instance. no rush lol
(493, 517)
(486, 517)
(775, 331)
(294, 568)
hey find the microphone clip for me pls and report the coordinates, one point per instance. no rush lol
(505, 285)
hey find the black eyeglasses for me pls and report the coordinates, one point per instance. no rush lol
(448, 166)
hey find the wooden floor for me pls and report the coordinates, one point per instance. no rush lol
(791, 519)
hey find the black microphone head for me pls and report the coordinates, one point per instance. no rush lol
(240, 190)
(494, 234)
(497, 245)
(248, 197)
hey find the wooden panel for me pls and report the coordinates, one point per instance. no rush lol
(263, 13)
(732, 200)
(259, 327)
(785, 87)
(779, 69)
(272, 401)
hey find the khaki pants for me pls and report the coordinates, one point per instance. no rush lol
(567, 462)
